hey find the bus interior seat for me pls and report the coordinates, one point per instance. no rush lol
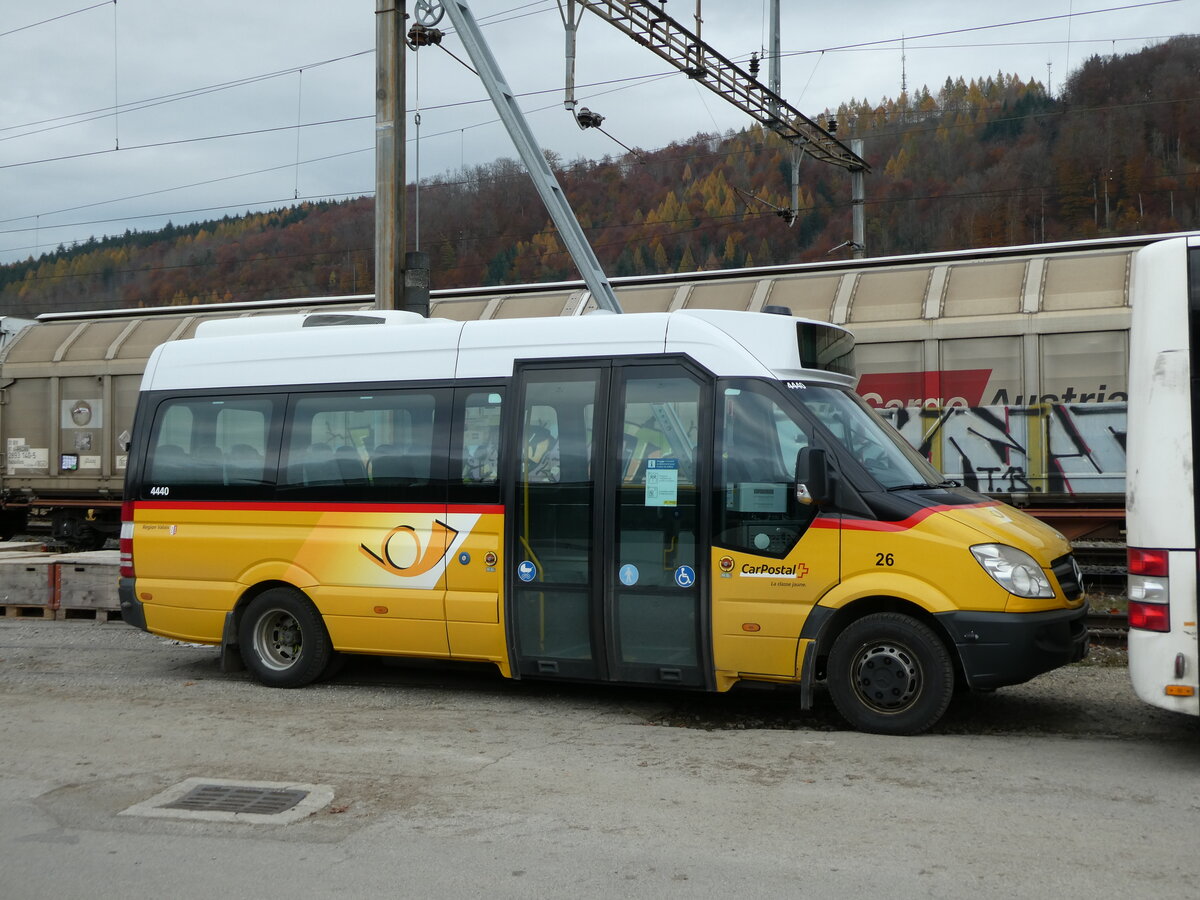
(169, 463)
(390, 465)
(319, 466)
(243, 465)
(350, 465)
(208, 464)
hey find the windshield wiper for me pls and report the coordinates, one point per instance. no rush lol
(921, 485)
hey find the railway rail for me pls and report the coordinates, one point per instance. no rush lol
(1108, 629)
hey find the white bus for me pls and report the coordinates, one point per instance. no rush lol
(1164, 394)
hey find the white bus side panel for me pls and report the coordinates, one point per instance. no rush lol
(1160, 500)
(1160, 491)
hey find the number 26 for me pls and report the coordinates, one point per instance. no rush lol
(884, 559)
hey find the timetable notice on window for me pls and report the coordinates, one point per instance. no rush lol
(662, 482)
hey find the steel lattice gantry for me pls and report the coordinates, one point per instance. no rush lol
(652, 28)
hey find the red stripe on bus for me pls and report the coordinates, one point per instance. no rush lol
(498, 509)
(904, 524)
(300, 506)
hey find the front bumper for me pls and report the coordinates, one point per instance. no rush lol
(999, 649)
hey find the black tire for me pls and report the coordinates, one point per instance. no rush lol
(283, 640)
(337, 663)
(890, 674)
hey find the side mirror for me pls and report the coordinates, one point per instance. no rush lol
(812, 477)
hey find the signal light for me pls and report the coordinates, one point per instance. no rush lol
(1149, 616)
(126, 541)
(1147, 562)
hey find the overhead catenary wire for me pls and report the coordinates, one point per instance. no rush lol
(756, 148)
(648, 78)
(178, 141)
(65, 15)
(661, 228)
(905, 129)
(632, 82)
(972, 28)
(71, 119)
(103, 112)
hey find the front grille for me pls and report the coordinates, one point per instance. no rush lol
(1067, 573)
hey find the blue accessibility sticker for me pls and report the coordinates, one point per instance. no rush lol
(685, 576)
(526, 570)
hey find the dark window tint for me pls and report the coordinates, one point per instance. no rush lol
(377, 445)
(825, 347)
(475, 467)
(208, 446)
(758, 438)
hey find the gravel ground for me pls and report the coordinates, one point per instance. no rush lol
(1088, 699)
(453, 782)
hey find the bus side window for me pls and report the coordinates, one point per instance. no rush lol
(757, 443)
(207, 448)
(477, 442)
(541, 462)
(354, 445)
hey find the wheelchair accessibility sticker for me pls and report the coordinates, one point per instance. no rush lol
(685, 576)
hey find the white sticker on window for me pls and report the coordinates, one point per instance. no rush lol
(662, 482)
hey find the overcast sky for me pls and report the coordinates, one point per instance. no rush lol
(191, 80)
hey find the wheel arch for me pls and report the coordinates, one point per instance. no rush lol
(231, 651)
(839, 619)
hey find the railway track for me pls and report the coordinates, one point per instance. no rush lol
(1107, 629)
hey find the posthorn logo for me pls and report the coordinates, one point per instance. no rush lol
(408, 553)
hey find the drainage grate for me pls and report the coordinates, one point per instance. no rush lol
(218, 800)
(237, 799)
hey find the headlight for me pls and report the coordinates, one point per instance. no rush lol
(1014, 570)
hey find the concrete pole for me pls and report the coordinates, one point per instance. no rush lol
(773, 78)
(390, 212)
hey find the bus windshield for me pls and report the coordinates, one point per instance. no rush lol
(881, 450)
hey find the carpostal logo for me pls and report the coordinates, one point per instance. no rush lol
(797, 570)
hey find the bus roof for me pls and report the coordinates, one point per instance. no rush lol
(378, 346)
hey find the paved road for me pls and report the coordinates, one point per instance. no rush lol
(461, 785)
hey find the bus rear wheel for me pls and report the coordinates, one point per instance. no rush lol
(890, 674)
(283, 640)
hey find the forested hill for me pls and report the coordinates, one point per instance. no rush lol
(992, 161)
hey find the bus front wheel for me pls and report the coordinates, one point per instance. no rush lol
(283, 640)
(890, 674)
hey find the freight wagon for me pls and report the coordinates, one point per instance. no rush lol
(1006, 366)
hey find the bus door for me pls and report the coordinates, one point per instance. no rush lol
(773, 557)
(607, 518)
